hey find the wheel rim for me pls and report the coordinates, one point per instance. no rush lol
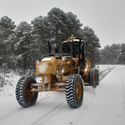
(79, 90)
(29, 93)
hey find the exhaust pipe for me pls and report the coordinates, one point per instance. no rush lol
(49, 47)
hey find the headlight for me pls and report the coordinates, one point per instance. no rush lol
(85, 69)
(62, 70)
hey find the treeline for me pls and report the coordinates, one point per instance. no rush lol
(114, 54)
(20, 45)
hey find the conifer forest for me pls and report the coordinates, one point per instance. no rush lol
(21, 44)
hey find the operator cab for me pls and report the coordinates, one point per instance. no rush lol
(73, 46)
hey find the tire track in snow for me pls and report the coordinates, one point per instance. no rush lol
(104, 73)
(42, 120)
(14, 111)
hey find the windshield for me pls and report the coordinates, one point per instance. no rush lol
(67, 48)
(72, 48)
(76, 48)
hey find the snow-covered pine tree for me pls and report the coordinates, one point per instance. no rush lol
(92, 44)
(64, 25)
(23, 45)
(41, 33)
(7, 29)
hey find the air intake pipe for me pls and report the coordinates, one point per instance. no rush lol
(49, 47)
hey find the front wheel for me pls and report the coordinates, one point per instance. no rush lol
(74, 91)
(24, 95)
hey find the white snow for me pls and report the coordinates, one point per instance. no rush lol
(46, 59)
(104, 67)
(11, 81)
(42, 67)
(104, 105)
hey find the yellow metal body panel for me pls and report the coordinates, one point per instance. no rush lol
(48, 78)
(46, 66)
(87, 69)
(88, 64)
(58, 61)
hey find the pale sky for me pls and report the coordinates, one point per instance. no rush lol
(106, 17)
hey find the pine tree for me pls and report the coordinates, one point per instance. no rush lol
(112, 54)
(23, 44)
(6, 31)
(92, 44)
(41, 33)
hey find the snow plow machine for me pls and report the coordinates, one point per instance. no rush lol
(67, 72)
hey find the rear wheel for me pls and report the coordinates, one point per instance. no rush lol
(74, 91)
(97, 76)
(24, 95)
(93, 78)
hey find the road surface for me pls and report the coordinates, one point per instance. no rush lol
(104, 105)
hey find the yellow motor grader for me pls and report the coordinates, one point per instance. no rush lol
(67, 72)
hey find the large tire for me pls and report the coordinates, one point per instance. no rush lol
(94, 78)
(74, 91)
(97, 76)
(24, 95)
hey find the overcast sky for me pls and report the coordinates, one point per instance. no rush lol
(106, 17)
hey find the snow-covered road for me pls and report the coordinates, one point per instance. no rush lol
(104, 105)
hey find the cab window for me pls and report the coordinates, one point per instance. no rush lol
(67, 48)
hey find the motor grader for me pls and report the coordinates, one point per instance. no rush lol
(67, 72)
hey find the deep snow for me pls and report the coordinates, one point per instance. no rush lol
(104, 105)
